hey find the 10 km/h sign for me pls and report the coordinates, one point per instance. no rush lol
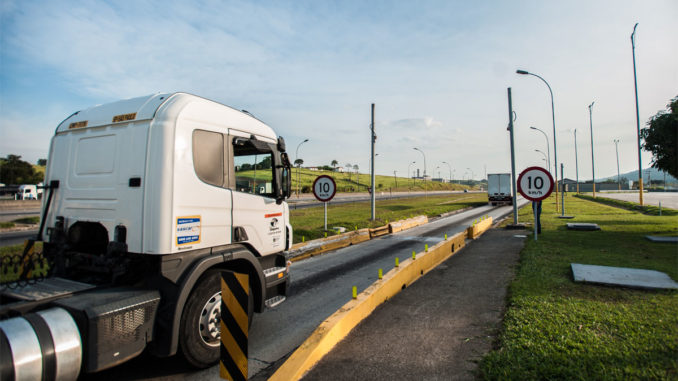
(324, 188)
(535, 183)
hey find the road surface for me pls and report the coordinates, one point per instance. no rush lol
(320, 285)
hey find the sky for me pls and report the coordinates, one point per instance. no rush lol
(437, 72)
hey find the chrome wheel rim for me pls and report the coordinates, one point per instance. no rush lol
(209, 323)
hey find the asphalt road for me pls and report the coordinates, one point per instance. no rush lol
(309, 201)
(16, 237)
(320, 285)
(668, 199)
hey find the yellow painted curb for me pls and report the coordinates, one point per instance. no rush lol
(478, 229)
(317, 246)
(339, 324)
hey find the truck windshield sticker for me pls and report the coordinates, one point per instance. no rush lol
(188, 230)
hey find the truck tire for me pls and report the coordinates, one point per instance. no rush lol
(199, 333)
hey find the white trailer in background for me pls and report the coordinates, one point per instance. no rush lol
(499, 189)
(147, 201)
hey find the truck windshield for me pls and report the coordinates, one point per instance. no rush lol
(254, 173)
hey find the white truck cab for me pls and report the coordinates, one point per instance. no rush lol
(147, 200)
(27, 192)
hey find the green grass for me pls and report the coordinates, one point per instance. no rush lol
(24, 220)
(6, 224)
(645, 209)
(557, 329)
(309, 222)
(350, 182)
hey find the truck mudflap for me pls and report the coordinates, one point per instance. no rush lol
(43, 345)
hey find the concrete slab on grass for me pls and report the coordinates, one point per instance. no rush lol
(655, 238)
(620, 276)
(582, 226)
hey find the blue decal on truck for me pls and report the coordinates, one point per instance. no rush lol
(188, 230)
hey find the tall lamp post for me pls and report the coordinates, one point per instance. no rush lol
(553, 117)
(635, 86)
(548, 151)
(616, 149)
(542, 152)
(576, 158)
(472, 176)
(424, 155)
(296, 157)
(450, 168)
(593, 168)
(408, 171)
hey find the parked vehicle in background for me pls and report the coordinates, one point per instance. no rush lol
(499, 189)
(141, 215)
(27, 192)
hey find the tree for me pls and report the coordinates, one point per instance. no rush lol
(298, 162)
(334, 164)
(661, 138)
(42, 162)
(13, 170)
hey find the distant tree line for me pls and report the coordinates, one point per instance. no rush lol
(15, 171)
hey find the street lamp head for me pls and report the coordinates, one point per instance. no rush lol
(522, 72)
(533, 128)
(305, 141)
(416, 148)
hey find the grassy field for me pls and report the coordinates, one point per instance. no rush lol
(645, 209)
(24, 220)
(309, 223)
(350, 182)
(556, 329)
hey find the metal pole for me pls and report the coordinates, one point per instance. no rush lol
(373, 198)
(553, 116)
(548, 150)
(635, 86)
(562, 190)
(576, 158)
(616, 148)
(424, 155)
(325, 216)
(513, 163)
(296, 157)
(408, 171)
(534, 208)
(593, 168)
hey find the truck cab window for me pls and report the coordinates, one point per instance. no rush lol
(208, 156)
(253, 172)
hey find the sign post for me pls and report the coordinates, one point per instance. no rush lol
(324, 189)
(535, 184)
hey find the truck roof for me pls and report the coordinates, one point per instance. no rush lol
(145, 108)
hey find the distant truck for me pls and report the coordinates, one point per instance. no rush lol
(499, 189)
(28, 192)
(141, 214)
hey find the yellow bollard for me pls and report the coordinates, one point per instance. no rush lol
(387, 222)
(381, 274)
(355, 292)
(414, 255)
(325, 234)
(303, 239)
(397, 262)
(426, 247)
(445, 236)
(356, 227)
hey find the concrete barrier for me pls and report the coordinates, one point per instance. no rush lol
(339, 324)
(477, 229)
(409, 223)
(378, 232)
(317, 246)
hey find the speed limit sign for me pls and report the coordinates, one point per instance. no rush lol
(324, 188)
(535, 183)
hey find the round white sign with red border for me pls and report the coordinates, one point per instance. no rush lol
(535, 183)
(324, 188)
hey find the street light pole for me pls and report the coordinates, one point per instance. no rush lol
(373, 138)
(635, 86)
(576, 159)
(553, 117)
(542, 152)
(450, 168)
(593, 168)
(296, 157)
(548, 151)
(616, 148)
(424, 155)
(408, 171)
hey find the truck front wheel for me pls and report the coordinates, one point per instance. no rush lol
(200, 331)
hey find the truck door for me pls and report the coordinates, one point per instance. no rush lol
(257, 218)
